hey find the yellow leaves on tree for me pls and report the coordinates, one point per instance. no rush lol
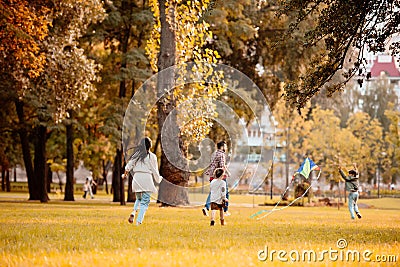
(320, 136)
(192, 32)
(22, 27)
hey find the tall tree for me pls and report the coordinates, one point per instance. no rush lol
(329, 144)
(370, 133)
(393, 144)
(343, 103)
(53, 77)
(119, 44)
(165, 60)
(292, 130)
(24, 25)
(69, 76)
(378, 96)
(179, 36)
(247, 36)
(10, 150)
(347, 29)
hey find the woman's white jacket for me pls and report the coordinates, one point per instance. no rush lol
(143, 173)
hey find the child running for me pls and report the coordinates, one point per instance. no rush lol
(352, 186)
(218, 196)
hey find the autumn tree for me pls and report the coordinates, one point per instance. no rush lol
(24, 25)
(246, 34)
(370, 134)
(291, 129)
(10, 150)
(66, 81)
(393, 144)
(328, 144)
(179, 36)
(48, 71)
(118, 43)
(376, 99)
(93, 145)
(347, 29)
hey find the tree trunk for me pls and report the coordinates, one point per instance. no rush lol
(69, 185)
(131, 194)
(23, 135)
(105, 174)
(40, 163)
(3, 178)
(122, 186)
(49, 175)
(8, 185)
(172, 189)
(156, 144)
(116, 183)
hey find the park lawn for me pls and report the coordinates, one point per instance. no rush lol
(97, 234)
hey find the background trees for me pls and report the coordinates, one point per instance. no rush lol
(51, 76)
(347, 30)
(68, 71)
(118, 43)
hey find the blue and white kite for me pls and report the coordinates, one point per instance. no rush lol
(305, 170)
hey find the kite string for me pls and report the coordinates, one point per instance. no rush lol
(274, 208)
(291, 203)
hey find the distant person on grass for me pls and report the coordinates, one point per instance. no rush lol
(86, 186)
(352, 186)
(218, 160)
(143, 166)
(218, 196)
(91, 183)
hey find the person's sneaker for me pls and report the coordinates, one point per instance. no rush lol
(359, 216)
(212, 223)
(131, 218)
(227, 213)
(205, 211)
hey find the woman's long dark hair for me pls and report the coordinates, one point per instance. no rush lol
(142, 150)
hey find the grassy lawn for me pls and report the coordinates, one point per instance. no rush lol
(96, 233)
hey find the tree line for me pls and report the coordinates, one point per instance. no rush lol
(340, 132)
(69, 69)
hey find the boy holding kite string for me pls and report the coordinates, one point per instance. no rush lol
(352, 186)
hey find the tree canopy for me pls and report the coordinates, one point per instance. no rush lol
(346, 31)
(88, 58)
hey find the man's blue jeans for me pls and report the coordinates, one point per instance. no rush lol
(353, 197)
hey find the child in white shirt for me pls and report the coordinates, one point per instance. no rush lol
(86, 186)
(218, 196)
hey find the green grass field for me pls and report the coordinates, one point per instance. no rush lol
(96, 233)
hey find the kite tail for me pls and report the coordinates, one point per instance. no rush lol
(274, 208)
(291, 203)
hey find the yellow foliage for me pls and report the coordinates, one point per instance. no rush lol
(191, 33)
(22, 28)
